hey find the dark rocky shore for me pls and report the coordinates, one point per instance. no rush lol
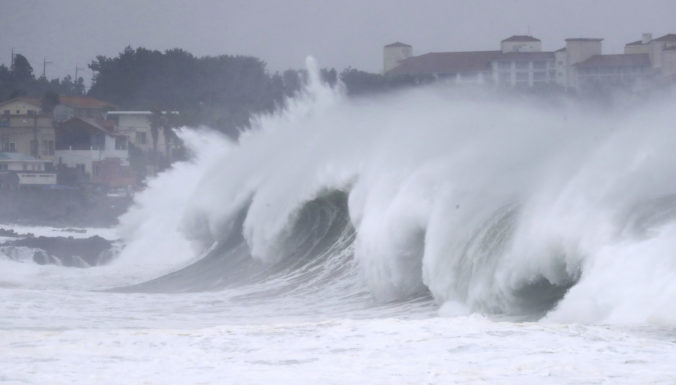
(61, 208)
(66, 251)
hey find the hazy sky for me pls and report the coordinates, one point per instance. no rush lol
(339, 33)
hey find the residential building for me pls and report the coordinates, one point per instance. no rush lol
(87, 146)
(603, 71)
(524, 69)
(82, 107)
(462, 67)
(138, 126)
(25, 130)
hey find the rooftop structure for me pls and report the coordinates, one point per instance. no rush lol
(521, 62)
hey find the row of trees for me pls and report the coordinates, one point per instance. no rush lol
(19, 80)
(219, 91)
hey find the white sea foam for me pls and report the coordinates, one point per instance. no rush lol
(498, 209)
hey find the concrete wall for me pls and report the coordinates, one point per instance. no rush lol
(19, 108)
(561, 68)
(85, 158)
(669, 62)
(577, 51)
(393, 55)
(637, 48)
(137, 127)
(20, 131)
(657, 50)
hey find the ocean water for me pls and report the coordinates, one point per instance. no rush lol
(430, 236)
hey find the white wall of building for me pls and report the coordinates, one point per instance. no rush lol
(136, 126)
(392, 55)
(577, 51)
(669, 62)
(19, 107)
(85, 158)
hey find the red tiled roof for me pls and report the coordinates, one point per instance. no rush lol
(447, 63)
(397, 44)
(84, 102)
(667, 37)
(621, 60)
(521, 38)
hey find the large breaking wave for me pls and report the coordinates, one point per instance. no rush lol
(484, 204)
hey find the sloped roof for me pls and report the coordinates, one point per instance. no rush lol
(33, 101)
(397, 44)
(667, 37)
(447, 63)
(521, 38)
(560, 49)
(620, 60)
(637, 42)
(90, 123)
(584, 39)
(516, 56)
(84, 102)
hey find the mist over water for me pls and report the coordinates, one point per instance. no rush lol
(484, 203)
(335, 232)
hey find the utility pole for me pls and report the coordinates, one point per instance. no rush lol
(77, 69)
(44, 66)
(12, 67)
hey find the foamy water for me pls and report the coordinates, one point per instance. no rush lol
(429, 236)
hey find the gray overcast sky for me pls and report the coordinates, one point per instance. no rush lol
(338, 33)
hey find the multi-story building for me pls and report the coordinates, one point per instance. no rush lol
(26, 130)
(91, 151)
(138, 126)
(521, 63)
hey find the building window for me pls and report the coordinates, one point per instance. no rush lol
(34, 147)
(6, 112)
(522, 65)
(47, 147)
(540, 65)
(505, 65)
(120, 143)
(141, 137)
(3, 167)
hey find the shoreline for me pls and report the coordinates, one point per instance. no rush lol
(61, 208)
